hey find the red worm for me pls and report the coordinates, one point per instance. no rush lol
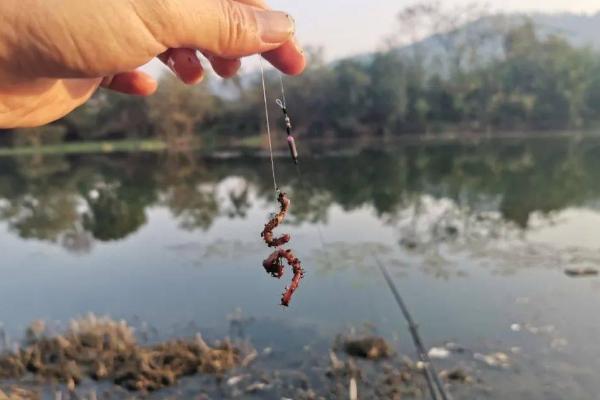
(274, 263)
(274, 266)
(267, 233)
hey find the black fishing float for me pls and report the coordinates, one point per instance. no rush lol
(288, 123)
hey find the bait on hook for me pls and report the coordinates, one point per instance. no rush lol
(274, 263)
(267, 233)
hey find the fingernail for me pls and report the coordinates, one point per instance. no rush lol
(274, 26)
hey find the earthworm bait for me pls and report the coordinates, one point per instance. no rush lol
(267, 233)
(274, 263)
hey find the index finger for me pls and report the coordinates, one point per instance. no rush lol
(256, 3)
(288, 58)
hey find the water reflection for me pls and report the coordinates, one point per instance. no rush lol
(174, 243)
(76, 200)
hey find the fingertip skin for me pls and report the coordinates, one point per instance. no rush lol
(186, 65)
(133, 83)
(288, 58)
(226, 68)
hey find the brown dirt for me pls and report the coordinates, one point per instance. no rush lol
(16, 393)
(103, 349)
(371, 347)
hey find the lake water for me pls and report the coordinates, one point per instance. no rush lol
(476, 235)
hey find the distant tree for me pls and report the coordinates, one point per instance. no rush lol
(386, 98)
(51, 134)
(312, 96)
(124, 116)
(178, 112)
(348, 98)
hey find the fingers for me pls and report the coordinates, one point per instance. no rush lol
(289, 58)
(187, 67)
(185, 64)
(233, 29)
(224, 67)
(241, 21)
(224, 28)
(134, 83)
(256, 3)
(97, 38)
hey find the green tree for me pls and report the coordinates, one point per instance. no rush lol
(178, 112)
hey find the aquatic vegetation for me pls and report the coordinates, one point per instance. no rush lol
(96, 350)
(17, 393)
(107, 350)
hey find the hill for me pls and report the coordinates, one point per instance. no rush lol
(579, 29)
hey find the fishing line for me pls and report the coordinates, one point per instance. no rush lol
(264, 90)
(282, 90)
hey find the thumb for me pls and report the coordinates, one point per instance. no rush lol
(224, 28)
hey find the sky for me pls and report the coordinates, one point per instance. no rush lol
(349, 27)
(346, 27)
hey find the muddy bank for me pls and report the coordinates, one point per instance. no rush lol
(105, 350)
(99, 358)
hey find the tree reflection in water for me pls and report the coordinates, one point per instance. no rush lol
(75, 200)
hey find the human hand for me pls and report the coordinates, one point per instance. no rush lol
(54, 54)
